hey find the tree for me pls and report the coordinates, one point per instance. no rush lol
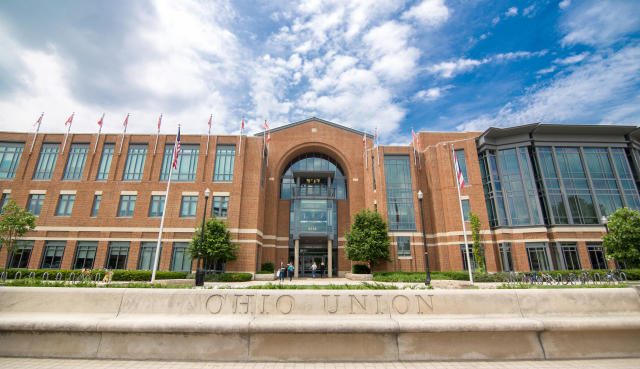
(478, 248)
(622, 242)
(216, 245)
(368, 239)
(14, 223)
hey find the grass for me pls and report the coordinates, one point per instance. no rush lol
(361, 286)
(524, 286)
(38, 283)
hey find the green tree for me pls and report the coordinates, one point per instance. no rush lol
(368, 238)
(623, 240)
(14, 223)
(216, 244)
(478, 247)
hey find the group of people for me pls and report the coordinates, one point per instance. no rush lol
(287, 270)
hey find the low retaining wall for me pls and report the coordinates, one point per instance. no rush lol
(329, 325)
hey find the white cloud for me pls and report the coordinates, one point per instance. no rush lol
(393, 59)
(551, 69)
(603, 89)
(512, 12)
(431, 94)
(451, 68)
(529, 11)
(564, 4)
(428, 12)
(573, 59)
(600, 23)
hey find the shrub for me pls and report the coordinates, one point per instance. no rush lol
(360, 269)
(118, 275)
(267, 267)
(228, 277)
(145, 275)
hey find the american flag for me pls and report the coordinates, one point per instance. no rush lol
(459, 176)
(176, 150)
(37, 123)
(266, 127)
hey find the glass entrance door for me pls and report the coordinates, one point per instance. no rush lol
(307, 263)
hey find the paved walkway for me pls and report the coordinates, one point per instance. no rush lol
(28, 363)
(448, 284)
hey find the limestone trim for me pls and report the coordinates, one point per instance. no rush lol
(38, 192)
(220, 194)
(124, 193)
(97, 193)
(190, 193)
(6, 190)
(68, 192)
(158, 193)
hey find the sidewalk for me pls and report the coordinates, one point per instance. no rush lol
(437, 284)
(30, 363)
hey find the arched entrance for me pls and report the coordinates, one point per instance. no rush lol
(314, 182)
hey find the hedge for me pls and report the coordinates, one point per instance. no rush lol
(360, 269)
(267, 267)
(228, 277)
(118, 275)
(416, 277)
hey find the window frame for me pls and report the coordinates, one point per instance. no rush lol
(37, 205)
(86, 246)
(11, 153)
(119, 245)
(188, 203)
(405, 252)
(130, 202)
(223, 169)
(56, 260)
(47, 160)
(135, 162)
(65, 200)
(76, 161)
(217, 202)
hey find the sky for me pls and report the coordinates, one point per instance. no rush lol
(427, 65)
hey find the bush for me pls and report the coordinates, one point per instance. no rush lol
(118, 275)
(145, 275)
(228, 277)
(267, 267)
(360, 269)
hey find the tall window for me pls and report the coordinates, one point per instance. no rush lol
(596, 255)
(314, 162)
(569, 256)
(134, 167)
(223, 171)
(21, 254)
(603, 179)
(147, 255)
(220, 206)
(629, 191)
(404, 246)
(10, 154)
(538, 253)
(117, 255)
(576, 186)
(127, 204)
(46, 161)
(399, 194)
(65, 205)
(187, 163)
(4, 201)
(466, 209)
(188, 206)
(463, 253)
(85, 255)
(52, 256)
(35, 203)
(180, 259)
(156, 206)
(518, 187)
(75, 162)
(105, 162)
(462, 163)
(505, 257)
(556, 209)
(95, 207)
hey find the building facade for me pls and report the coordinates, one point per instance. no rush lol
(540, 192)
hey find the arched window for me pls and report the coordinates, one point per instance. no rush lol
(302, 169)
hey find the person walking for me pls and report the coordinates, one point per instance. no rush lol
(281, 272)
(290, 270)
(322, 269)
(313, 269)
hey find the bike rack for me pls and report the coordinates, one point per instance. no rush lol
(32, 275)
(58, 276)
(45, 276)
(96, 277)
(18, 275)
(3, 276)
(72, 276)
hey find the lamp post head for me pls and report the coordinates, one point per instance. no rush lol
(419, 195)
(207, 193)
(604, 220)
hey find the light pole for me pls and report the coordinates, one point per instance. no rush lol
(199, 271)
(604, 221)
(424, 242)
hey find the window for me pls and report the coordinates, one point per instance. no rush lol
(35, 203)
(52, 256)
(314, 162)
(156, 206)
(180, 260)
(21, 254)
(569, 256)
(85, 255)
(75, 162)
(65, 204)
(127, 204)
(629, 190)
(596, 255)
(186, 166)
(4, 201)
(505, 257)
(96, 205)
(538, 253)
(117, 255)
(404, 246)
(46, 161)
(10, 154)
(466, 209)
(223, 171)
(576, 186)
(463, 253)
(399, 193)
(147, 255)
(188, 206)
(555, 204)
(220, 206)
(135, 162)
(105, 162)
(462, 163)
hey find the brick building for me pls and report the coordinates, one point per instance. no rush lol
(540, 191)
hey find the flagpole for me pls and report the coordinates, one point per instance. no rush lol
(67, 135)
(240, 138)
(123, 133)
(377, 148)
(157, 134)
(464, 228)
(36, 134)
(164, 212)
(366, 160)
(99, 130)
(209, 135)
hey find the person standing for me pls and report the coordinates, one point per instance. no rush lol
(290, 270)
(322, 269)
(281, 272)
(313, 269)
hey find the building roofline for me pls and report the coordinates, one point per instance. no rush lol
(319, 120)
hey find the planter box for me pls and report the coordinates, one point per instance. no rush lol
(264, 277)
(359, 277)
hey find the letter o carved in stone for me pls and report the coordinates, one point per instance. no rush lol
(282, 301)
(214, 303)
(395, 306)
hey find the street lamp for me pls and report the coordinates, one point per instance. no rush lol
(199, 271)
(424, 242)
(604, 221)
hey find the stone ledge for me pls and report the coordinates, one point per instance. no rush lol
(264, 277)
(358, 277)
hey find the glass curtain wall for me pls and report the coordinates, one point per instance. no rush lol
(399, 193)
(10, 154)
(186, 166)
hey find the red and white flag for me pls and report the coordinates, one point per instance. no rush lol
(209, 123)
(70, 120)
(413, 138)
(266, 128)
(101, 120)
(375, 136)
(459, 176)
(159, 122)
(364, 139)
(242, 128)
(176, 150)
(126, 121)
(37, 123)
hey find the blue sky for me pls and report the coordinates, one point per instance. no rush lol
(431, 65)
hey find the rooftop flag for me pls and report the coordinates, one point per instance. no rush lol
(126, 121)
(266, 127)
(37, 123)
(459, 176)
(70, 120)
(159, 122)
(176, 150)
(101, 120)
